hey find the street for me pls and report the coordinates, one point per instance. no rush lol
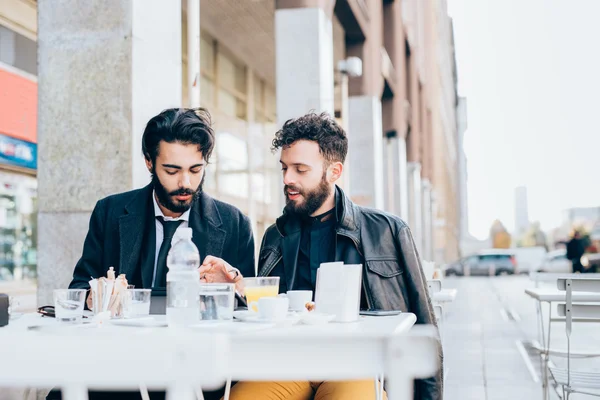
(486, 334)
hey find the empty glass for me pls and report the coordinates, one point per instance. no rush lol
(68, 305)
(137, 303)
(216, 301)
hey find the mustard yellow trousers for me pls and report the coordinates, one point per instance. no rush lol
(346, 390)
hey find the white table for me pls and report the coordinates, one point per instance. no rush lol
(550, 296)
(444, 296)
(206, 357)
(539, 277)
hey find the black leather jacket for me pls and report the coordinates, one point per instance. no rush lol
(393, 278)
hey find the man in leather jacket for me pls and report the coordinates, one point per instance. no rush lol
(321, 224)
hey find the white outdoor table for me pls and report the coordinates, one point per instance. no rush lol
(539, 277)
(207, 356)
(549, 296)
(444, 296)
(80, 357)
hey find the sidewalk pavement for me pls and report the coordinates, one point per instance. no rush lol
(482, 359)
(486, 334)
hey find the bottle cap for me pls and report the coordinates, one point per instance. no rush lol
(184, 233)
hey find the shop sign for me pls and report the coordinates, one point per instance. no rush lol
(18, 153)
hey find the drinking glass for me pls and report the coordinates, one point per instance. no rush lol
(137, 303)
(255, 288)
(216, 301)
(68, 305)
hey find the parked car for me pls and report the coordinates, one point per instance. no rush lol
(555, 261)
(529, 258)
(485, 262)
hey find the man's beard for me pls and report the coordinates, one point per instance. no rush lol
(313, 199)
(167, 199)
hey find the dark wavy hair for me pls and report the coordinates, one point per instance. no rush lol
(179, 125)
(320, 128)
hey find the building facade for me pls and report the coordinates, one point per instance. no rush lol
(260, 63)
(18, 140)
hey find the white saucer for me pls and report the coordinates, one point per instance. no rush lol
(143, 322)
(316, 318)
(251, 316)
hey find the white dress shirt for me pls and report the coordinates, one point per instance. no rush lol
(185, 217)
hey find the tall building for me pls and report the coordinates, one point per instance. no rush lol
(521, 210)
(253, 64)
(461, 114)
(442, 143)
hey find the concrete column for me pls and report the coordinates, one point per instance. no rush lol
(396, 177)
(365, 137)
(104, 69)
(415, 219)
(427, 220)
(401, 189)
(193, 52)
(390, 176)
(304, 62)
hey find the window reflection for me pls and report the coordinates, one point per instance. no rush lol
(18, 227)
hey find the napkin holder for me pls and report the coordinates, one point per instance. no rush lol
(338, 290)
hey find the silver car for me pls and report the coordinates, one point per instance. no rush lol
(487, 262)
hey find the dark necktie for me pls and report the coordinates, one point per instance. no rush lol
(169, 228)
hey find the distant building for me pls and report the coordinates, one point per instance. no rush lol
(521, 211)
(584, 217)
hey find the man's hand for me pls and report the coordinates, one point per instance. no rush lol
(217, 270)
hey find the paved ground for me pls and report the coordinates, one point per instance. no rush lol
(486, 332)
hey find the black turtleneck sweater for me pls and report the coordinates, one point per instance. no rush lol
(317, 245)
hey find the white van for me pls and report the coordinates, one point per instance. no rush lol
(529, 258)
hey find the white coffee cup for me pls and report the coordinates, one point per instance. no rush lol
(271, 308)
(299, 298)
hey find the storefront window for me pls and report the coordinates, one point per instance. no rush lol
(18, 227)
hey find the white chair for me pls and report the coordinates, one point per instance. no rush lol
(573, 381)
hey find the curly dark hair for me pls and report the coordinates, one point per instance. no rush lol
(179, 125)
(320, 128)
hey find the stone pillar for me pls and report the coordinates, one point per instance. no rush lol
(415, 219)
(427, 221)
(401, 189)
(304, 60)
(390, 177)
(365, 137)
(396, 177)
(193, 52)
(104, 69)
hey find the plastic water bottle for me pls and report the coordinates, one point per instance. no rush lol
(183, 280)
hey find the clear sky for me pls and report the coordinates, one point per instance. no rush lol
(530, 70)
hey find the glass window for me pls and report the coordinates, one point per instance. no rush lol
(207, 56)
(18, 227)
(231, 75)
(233, 162)
(259, 106)
(18, 51)
(207, 92)
(271, 104)
(231, 105)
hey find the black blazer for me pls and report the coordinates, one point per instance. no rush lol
(117, 230)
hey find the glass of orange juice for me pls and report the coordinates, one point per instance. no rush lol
(255, 288)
